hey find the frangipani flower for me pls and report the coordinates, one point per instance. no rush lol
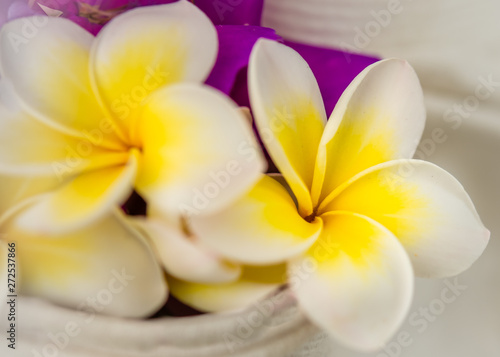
(103, 115)
(356, 216)
(107, 267)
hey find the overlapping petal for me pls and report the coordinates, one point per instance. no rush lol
(106, 264)
(146, 48)
(254, 284)
(16, 190)
(262, 227)
(195, 158)
(379, 117)
(81, 200)
(425, 208)
(44, 151)
(47, 62)
(356, 281)
(289, 113)
(185, 258)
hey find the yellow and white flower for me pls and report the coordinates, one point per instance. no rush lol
(107, 267)
(357, 216)
(102, 116)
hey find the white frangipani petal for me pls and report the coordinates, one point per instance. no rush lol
(255, 284)
(425, 207)
(356, 282)
(146, 48)
(50, 74)
(82, 200)
(289, 113)
(196, 159)
(106, 267)
(262, 227)
(379, 117)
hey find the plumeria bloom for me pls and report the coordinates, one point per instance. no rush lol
(107, 267)
(357, 217)
(125, 110)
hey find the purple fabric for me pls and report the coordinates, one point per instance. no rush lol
(333, 69)
(235, 45)
(232, 12)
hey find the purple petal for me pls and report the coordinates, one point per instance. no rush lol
(333, 69)
(235, 45)
(232, 12)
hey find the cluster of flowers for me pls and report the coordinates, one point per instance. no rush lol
(156, 106)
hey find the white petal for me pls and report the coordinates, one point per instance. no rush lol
(16, 190)
(356, 282)
(30, 147)
(379, 117)
(262, 227)
(81, 200)
(255, 284)
(106, 265)
(425, 207)
(47, 61)
(147, 48)
(185, 258)
(198, 158)
(289, 113)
